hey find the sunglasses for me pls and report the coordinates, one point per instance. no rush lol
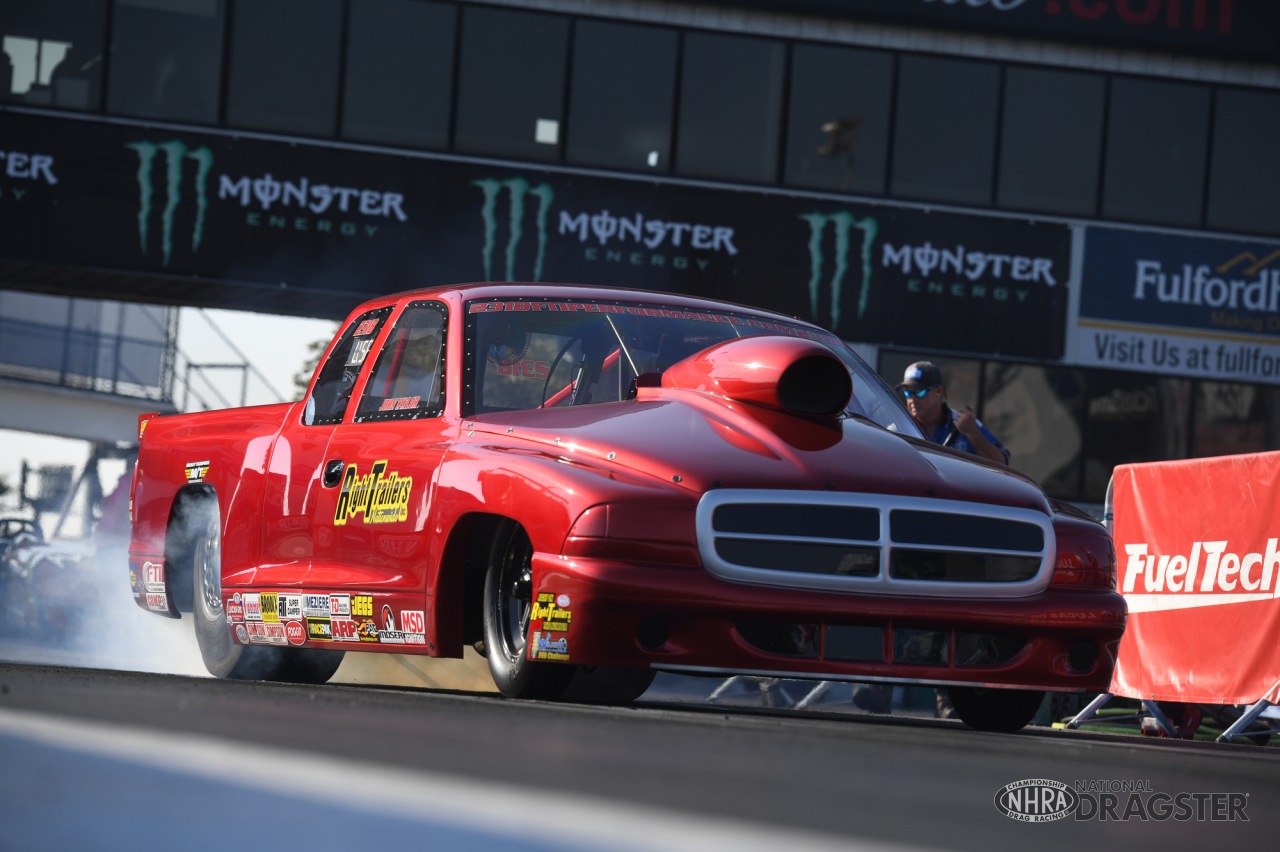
(919, 393)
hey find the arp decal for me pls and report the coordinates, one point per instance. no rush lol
(344, 630)
(197, 471)
(380, 497)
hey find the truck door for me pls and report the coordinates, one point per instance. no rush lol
(388, 452)
(296, 473)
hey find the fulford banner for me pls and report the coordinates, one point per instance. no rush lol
(1163, 303)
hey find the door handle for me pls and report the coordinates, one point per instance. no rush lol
(333, 469)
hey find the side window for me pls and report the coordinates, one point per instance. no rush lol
(328, 400)
(408, 378)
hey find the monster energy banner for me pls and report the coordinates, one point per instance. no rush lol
(290, 219)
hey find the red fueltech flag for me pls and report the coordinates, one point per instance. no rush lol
(1199, 565)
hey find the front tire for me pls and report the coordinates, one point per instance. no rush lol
(222, 657)
(508, 599)
(999, 710)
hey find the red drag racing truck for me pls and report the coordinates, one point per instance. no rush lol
(617, 483)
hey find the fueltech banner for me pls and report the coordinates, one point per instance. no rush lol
(1198, 545)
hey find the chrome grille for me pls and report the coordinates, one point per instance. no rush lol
(874, 543)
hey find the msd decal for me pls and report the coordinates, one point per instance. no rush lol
(415, 626)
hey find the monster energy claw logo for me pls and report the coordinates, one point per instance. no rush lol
(517, 189)
(843, 223)
(175, 154)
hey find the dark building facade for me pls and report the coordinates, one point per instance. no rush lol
(1073, 206)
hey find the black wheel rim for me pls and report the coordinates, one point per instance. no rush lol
(515, 594)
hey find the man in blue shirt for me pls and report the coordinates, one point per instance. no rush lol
(926, 398)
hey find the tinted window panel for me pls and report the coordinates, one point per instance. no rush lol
(1038, 413)
(838, 127)
(1131, 418)
(511, 83)
(730, 107)
(399, 85)
(53, 52)
(1051, 141)
(284, 65)
(1157, 134)
(622, 97)
(1244, 183)
(1233, 418)
(945, 137)
(165, 59)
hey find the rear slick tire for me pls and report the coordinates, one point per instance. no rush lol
(223, 657)
(508, 600)
(1000, 710)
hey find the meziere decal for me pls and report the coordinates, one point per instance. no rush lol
(381, 499)
(1209, 574)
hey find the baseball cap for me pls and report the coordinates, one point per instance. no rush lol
(921, 374)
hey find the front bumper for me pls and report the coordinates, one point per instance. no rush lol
(681, 619)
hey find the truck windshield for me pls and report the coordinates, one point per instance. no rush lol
(530, 353)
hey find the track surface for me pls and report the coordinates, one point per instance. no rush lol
(659, 771)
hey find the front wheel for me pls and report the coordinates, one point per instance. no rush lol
(224, 658)
(999, 710)
(508, 599)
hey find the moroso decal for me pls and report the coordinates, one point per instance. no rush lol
(380, 499)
